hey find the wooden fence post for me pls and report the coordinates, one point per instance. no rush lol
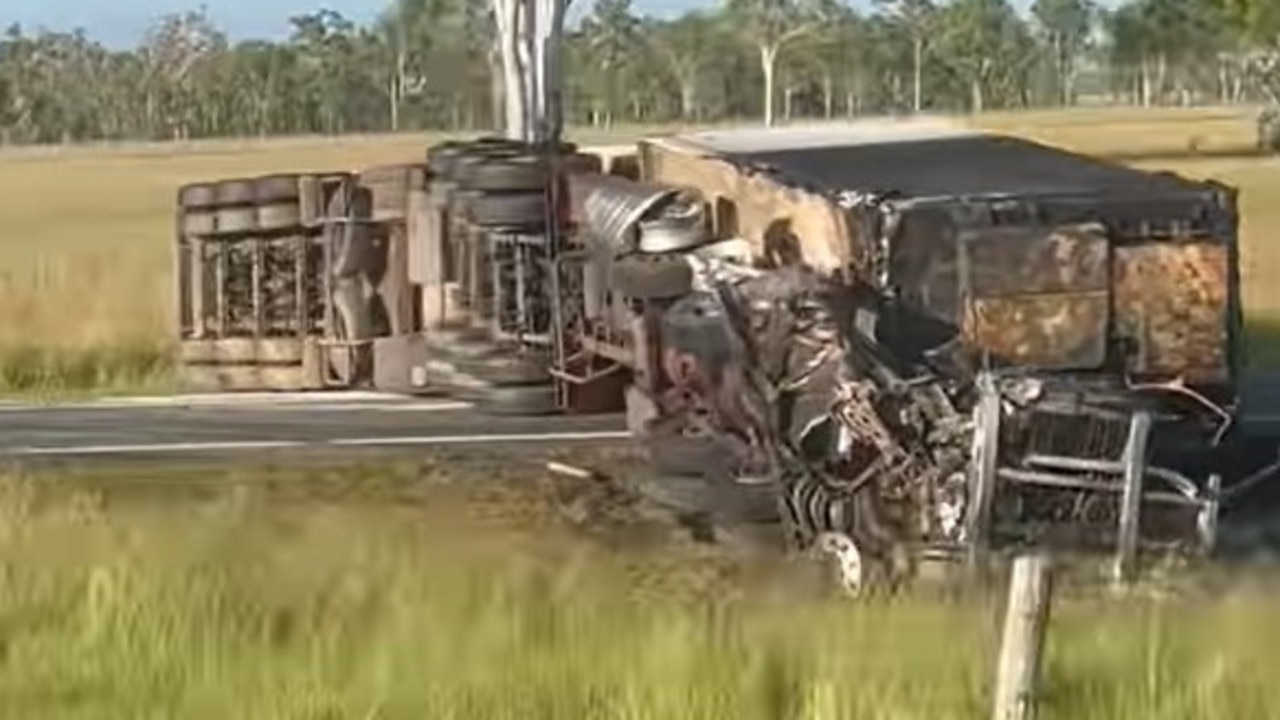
(1027, 615)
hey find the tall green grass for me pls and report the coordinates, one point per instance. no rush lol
(471, 604)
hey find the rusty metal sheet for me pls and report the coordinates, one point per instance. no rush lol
(1038, 296)
(1171, 297)
(1055, 330)
(1022, 260)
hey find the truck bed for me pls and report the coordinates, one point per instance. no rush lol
(880, 157)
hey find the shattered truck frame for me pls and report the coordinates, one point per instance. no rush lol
(910, 341)
(892, 341)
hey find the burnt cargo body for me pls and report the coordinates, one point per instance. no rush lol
(947, 342)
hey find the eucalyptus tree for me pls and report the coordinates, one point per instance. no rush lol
(988, 49)
(178, 53)
(611, 35)
(771, 25)
(687, 48)
(917, 19)
(1066, 27)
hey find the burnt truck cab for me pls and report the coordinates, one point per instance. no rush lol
(942, 340)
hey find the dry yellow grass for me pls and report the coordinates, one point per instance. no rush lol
(85, 283)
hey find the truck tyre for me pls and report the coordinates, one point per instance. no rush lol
(509, 210)
(237, 220)
(442, 156)
(352, 244)
(673, 231)
(653, 277)
(509, 370)
(388, 187)
(274, 189)
(197, 195)
(353, 311)
(519, 400)
(279, 216)
(506, 174)
(234, 192)
(199, 222)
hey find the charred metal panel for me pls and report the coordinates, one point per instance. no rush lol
(924, 264)
(1032, 260)
(1038, 296)
(1058, 330)
(1172, 300)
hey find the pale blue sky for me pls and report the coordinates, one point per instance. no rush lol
(121, 22)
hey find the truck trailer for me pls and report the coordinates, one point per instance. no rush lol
(894, 340)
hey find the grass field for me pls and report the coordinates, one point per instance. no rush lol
(85, 283)
(450, 601)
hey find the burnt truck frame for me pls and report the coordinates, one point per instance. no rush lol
(892, 341)
(1017, 345)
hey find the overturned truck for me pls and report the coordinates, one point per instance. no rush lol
(892, 341)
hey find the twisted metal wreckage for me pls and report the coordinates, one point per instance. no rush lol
(894, 341)
(984, 369)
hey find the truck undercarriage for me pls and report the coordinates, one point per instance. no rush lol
(942, 345)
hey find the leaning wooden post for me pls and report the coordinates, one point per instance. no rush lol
(1135, 468)
(1027, 615)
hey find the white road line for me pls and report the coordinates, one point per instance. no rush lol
(215, 399)
(153, 448)
(497, 437)
(398, 405)
(439, 406)
(338, 442)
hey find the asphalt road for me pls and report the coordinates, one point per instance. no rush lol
(254, 426)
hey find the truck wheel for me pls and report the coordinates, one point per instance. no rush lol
(237, 220)
(353, 310)
(653, 277)
(509, 210)
(279, 216)
(678, 228)
(388, 187)
(199, 223)
(442, 157)
(523, 369)
(197, 195)
(519, 400)
(234, 192)
(506, 174)
(352, 245)
(274, 189)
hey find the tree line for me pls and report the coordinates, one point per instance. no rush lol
(432, 64)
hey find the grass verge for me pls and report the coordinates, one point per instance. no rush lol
(476, 603)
